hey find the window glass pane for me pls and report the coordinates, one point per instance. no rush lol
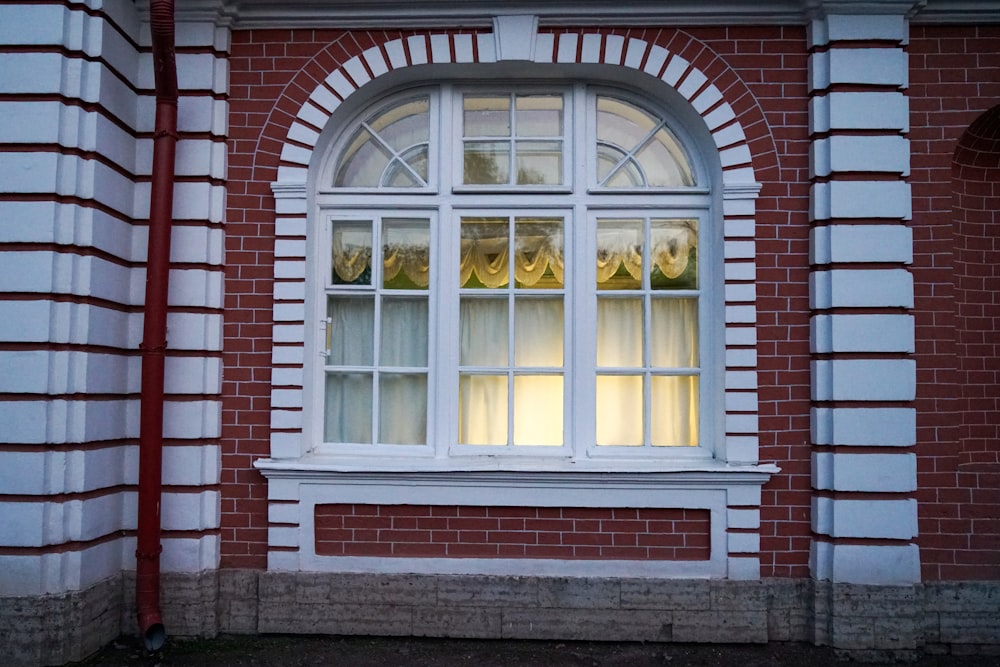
(674, 258)
(406, 254)
(486, 163)
(539, 115)
(538, 410)
(403, 409)
(539, 162)
(486, 116)
(351, 331)
(674, 333)
(654, 156)
(404, 333)
(362, 163)
(482, 409)
(619, 410)
(538, 252)
(538, 332)
(674, 411)
(619, 254)
(619, 333)
(404, 125)
(376, 153)
(621, 124)
(348, 408)
(352, 253)
(485, 252)
(663, 161)
(483, 332)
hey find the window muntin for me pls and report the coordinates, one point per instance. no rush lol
(623, 372)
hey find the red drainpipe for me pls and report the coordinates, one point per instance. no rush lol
(154, 334)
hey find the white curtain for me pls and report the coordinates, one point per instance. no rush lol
(348, 407)
(402, 409)
(673, 344)
(538, 398)
(402, 415)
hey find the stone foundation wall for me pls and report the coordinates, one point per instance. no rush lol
(56, 629)
(865, 622)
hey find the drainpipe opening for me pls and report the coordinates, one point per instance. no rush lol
(154, 637)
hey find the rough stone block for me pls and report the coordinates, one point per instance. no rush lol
(189, 603)
(738, 596)
(487, 591)
(674, 595)
(970, 628)
(875, 601)
(963, 596)
(277, 587)
(579, 593)
(457, 622)
(587, 624)
(721, 627)
(335, 619)
(383, 589)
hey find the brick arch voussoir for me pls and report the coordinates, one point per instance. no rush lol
(730, 111)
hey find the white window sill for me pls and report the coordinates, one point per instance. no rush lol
(558, 471)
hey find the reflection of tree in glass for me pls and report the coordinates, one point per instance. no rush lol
(482, 168)
(527, 176)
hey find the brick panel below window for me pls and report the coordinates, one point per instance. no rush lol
(512, 532)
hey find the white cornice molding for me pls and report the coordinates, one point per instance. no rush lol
(474, 14)
(481, 14)
(974, 12)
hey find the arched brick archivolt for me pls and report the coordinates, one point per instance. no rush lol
(688, 65)
(976, 209)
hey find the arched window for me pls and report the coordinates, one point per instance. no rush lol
(515, 271)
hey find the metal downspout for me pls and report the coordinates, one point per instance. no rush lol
(154, 335)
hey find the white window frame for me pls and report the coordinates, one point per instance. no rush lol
(579, 200)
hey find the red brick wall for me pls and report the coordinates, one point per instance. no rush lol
(953, 81)
(762, 73)
(512, 532)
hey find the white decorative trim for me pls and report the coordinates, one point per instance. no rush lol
(713, 490)
(515, 36)
(346, 14)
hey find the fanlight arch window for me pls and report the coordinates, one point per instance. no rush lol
(515, 272)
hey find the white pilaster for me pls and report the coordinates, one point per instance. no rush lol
(861, 336)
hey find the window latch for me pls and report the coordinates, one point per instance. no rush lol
(327, 337)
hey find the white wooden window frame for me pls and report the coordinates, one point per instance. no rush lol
(579, 201)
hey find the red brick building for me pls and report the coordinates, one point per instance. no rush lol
(665, 323)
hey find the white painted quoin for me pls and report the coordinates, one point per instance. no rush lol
(78, 148)
(861, 342)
